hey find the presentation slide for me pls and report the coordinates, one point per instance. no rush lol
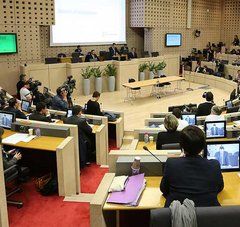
(173, 40)
(88, 22)
(8, 43)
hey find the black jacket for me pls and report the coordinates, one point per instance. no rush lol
(113, 51)
(93, 108)
(166, 138)
(204, 109)
(132, 55)
(195, 178)
(36, 116)
(17, 112)
(89, 57)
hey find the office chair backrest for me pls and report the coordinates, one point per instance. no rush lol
(146, 54)
(155, 54)
(61, 55)
(131, 80)
(206, 216)
(171, 146)
(51, 60)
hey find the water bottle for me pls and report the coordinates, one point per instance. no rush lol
(136, 166)
(38, 132)
(146, 138)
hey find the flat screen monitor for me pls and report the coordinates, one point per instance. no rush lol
(6, 119)
(69, 113)
(173, 39)
(227, 153)
(229, 104)
(8, 43)
(190, 118)
(25, 105)
(215, 129)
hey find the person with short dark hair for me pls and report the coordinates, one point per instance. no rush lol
(204, 109)
(14, 106)
(79, 50)
(86, 138)
(171, 135)
(60, 101)
(181, 123)
(192, 176)
(124, 49)
(20, 84)
(132, 54)
(93, 106)
(41, 113)
(235, 41)
(113, 50)
(91, 56)
(25, 93)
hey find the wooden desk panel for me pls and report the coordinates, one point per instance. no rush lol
(46, 143)
(152, 197)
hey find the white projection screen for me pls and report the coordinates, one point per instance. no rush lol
(88, 22)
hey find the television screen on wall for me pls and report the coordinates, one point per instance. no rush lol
(8, 43)
(173, 39)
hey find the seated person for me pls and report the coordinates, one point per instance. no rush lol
(25, 93)
(192, 176)
(20, 84)
(198, 68)
(215, 115)
(181, 123)
(79, 50)
(207, 70)
(204, 109)
(171, 135)
(40, 114)
(84, 133)
(133, 53)
(91, 56)
(60, 101)
(93, 106)
(124, 49)
(113, 51)
(15, 107)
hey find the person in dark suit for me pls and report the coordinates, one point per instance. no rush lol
(91, 56)
(60, 101)
(124, 49)
(132, 54)
(20, 84)
(222, 156)
(214, 130)
(192, 176)
(204, 109)
(15, 107)
(171, 135)
(41, 113)
(236, 41)
(113, 51)
(79, 50)
(86, 137)
(93, 106)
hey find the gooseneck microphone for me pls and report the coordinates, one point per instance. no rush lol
(146, 149)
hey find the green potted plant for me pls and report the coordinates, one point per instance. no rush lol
(152, 69)
(97, 73)
(86, 74)
(110, 71)
(160, 66)
(142, 67)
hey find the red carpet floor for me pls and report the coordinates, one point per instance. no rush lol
(41, 211)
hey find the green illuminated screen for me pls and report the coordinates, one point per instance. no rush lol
(8, 43)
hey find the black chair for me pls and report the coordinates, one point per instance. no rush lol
(61, 55)
(228, 216)
(11, 174)
(51, 60)
(146, 54)
(134, 90)
(171, 146)
(76, 57)
(155, 54)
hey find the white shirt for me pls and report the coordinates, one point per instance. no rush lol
(24, 92)
(181, 124)
(213, 117)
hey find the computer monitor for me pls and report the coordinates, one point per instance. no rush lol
(25, 105)
(6, 119)
(226, 152)
(229, 104)
(190, 118)
(215, 129)
(69, 113)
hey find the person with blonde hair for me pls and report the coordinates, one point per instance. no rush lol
(171, 135)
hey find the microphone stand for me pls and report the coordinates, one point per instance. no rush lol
(146, 149)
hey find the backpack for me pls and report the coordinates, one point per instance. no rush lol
(111, 117)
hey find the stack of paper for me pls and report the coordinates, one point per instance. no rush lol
(130, 196)
(17, 137)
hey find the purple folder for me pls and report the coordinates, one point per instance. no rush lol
(131, 192)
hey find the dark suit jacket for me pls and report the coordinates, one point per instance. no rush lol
(204, 109)
(223, 161)
(93, 108)
(195, 178)
(89, 57)
(166, 138)
(36, 116)
(113, 51)
(132, 55)
(17, 112)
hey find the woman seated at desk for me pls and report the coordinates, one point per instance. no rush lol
(171, 135)
(93, 107)
(192, 176)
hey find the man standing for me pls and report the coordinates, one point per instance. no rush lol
(25, 93)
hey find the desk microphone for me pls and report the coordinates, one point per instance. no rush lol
(146, 149)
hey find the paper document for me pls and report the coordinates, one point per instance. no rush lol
(28, 139)
(15, 138)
